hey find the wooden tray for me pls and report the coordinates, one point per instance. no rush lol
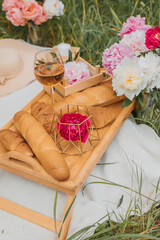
(80, 166)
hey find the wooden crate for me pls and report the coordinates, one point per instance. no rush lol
(80, 167)
(63, 89)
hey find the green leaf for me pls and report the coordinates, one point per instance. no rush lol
(70, 57)
(99, 164)
(80, 232)
(53, 55)
(140, 99)
(154, 94)
(101, 226)
(76, 56)
(126, 103)
(40, 62)
(120, 201)
(34, 26)
(157, 187)
(54, 208)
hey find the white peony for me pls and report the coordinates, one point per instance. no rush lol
(53, 8)
(129, 78)
(151, 63)
(136, 41)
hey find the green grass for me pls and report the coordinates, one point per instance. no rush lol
(133, 225)
(92, 25)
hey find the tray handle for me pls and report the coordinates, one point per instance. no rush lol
(5, 159)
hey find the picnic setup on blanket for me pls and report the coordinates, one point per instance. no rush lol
(58, 138)
(48, 164)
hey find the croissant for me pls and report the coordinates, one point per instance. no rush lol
(42, 145)
(12, 141)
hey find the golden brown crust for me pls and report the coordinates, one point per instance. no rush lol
(104, 115)
(24, 148)
(42, 145)
(43, 113)
(12, 141)
(94, 96)
(101, 115)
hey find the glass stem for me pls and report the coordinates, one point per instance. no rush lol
(52, 100)
(52, 95)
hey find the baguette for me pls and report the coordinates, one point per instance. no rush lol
(100, 95)
(42, 145)
(12, 141)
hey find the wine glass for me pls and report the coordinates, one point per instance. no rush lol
(48, 68)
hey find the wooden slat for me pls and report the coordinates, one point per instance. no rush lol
(66, 223)
(92, 69)
(94, 80)
(41, 177)
(29, 215)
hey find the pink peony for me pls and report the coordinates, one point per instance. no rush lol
(42, 17)
(112, 56)
(76, 71)
(136, 41)
(31, 10)
(153, 38)
(9, 4)
(133, 24)
(15, 16)
(76, 127)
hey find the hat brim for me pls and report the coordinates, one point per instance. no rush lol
(26, 76)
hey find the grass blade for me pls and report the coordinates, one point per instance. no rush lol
(120, 201)
(54, 209)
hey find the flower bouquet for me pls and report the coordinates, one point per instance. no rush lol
(31, 13)
(134, 64)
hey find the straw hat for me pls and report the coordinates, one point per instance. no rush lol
(16, 65)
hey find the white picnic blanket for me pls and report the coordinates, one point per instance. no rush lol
(133, 160)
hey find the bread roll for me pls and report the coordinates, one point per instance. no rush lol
(12, 141)
(104, 115)
(101, 115)
(99, 95)
(43, 113)
(42, 145)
